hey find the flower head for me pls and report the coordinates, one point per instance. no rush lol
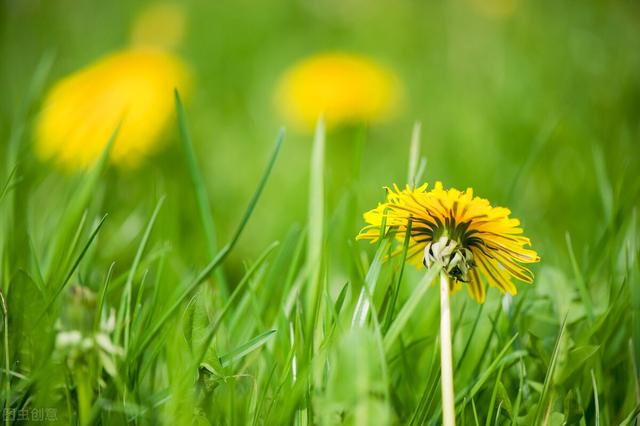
(463, 233)
(342, 87)
(133, 88)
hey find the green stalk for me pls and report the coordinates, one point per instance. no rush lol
(446, 359)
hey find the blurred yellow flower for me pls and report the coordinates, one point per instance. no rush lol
(133, 87)
(464, 233)
(342, 87)
(160, 25)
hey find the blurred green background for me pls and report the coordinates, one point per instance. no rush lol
(534, 104)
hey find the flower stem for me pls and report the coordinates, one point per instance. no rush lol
(446, 362)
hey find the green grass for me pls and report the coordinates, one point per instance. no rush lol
(290, 343)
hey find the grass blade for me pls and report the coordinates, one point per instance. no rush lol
(582, 285)
(408, 308)
(101, 296)
(414, 155)
(595, 397)
(494, 394)
(315, 236)
(471, 334)
(57, 292)
(549, 376)
(632, 418)
(368, 288)
(490, 370)
(126, 300)
(77, 206)
(246, 348)
(204, 207)
(396, 290)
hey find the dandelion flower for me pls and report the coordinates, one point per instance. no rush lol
(342, 87)
(133, 87)
(468, 236)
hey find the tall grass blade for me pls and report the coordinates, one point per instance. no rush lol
(396, 290)
(467, 344)
(475, 412)
(544, 395)
(202, 199)
(368, 288)
(101, 297)
(409, 307)
(76, 207)
(315, 226)
(581, 283)
(128, 290)
(79, 258)
(595, 397)
(494, 394)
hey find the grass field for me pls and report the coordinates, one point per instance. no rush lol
(218, 280)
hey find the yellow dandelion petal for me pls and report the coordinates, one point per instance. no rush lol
(342, 87)
(464, 233)
(133, 87)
